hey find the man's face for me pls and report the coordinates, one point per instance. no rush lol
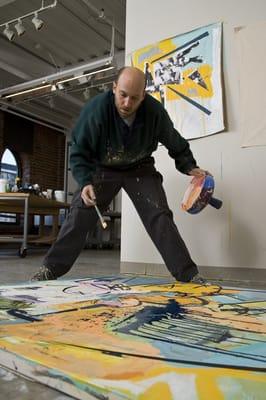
(129, 93)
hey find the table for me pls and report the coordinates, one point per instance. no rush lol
(31, 204)
(100, 237)
(112, 216)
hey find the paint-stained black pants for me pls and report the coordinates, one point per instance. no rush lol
(144, 187)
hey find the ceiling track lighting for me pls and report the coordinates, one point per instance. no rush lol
(86, 75)
(57, 81)
(37, 22)
(23, 92)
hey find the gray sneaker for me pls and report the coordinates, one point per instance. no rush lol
(199, 280)
(44, 274)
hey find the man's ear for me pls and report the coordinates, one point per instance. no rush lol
(144, 94)
(114, 87)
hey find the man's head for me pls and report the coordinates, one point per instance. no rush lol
(129, 90)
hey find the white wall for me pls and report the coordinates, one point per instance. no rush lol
(234, 236)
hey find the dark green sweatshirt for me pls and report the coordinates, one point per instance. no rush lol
(101, 138)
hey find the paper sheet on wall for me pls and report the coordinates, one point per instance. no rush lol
(252, 66)
(184, 73)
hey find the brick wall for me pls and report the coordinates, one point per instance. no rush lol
(44, 162)
(48, 158)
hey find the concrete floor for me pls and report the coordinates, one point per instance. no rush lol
(14, 270)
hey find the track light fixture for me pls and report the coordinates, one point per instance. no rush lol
(51, 102)
(86, 94)
(101, 14)
(60, 86)
(37, 22)
(20, 28)
(9, 33)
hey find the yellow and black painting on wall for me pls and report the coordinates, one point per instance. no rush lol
(184, 73)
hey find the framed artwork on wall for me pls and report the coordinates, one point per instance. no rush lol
(184, 73)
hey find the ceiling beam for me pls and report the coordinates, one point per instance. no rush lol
(35, 117)
(13, 70)
(70, 98)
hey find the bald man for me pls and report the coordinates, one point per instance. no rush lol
(112, 146)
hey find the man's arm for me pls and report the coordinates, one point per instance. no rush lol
(84, 143)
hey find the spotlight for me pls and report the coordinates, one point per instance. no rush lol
(51, 102)
(9, 33)
(101, 14)
(19, 28)
(103, 88)
(37, 22)
(60, 86)
(86, 94)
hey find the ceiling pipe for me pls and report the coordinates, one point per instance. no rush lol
(99, 13)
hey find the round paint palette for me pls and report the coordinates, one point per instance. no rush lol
(199, 194)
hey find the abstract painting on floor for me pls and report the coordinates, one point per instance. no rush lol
(136, 338)
(184, 73)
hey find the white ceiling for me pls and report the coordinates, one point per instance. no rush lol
(74, 33)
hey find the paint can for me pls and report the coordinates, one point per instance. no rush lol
(3, 185)
(59, 195)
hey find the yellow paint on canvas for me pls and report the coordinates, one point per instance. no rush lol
(190, 88)
(113, 372)
(152, 52)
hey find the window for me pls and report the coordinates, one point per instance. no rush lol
(9, 167)
(8, 170)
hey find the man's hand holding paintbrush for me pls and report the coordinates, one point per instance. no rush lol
(89, 198)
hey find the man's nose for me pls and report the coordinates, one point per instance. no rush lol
(127, 102)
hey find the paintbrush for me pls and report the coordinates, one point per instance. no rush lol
(104, 224)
